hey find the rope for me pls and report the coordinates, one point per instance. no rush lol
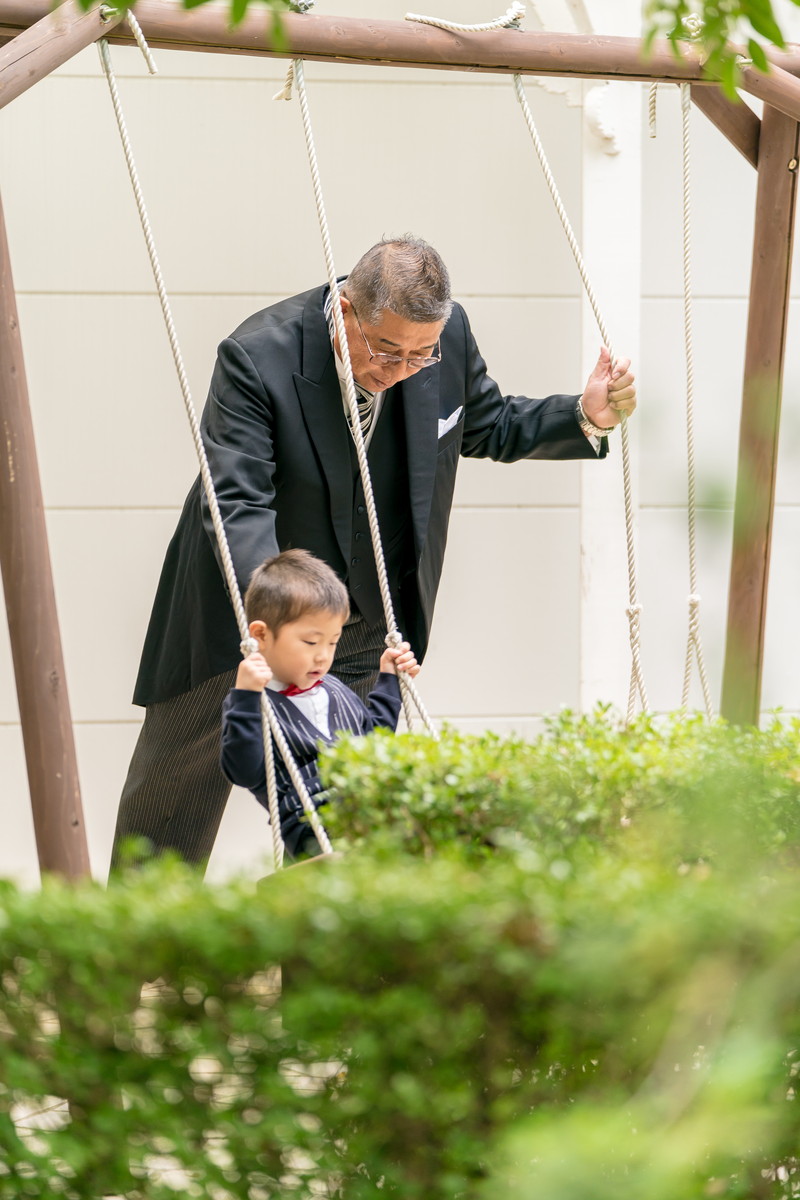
(286, 91)
(408, 689)
(269, 717)
(510, 20)
(107, 11)
(652, 93)
(694, 648)
(634, 608)
(136, 30)
(693, 645)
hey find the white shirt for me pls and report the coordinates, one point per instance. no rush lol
(377, 397)
(314, 705)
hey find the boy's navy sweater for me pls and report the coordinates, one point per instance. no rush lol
(242, 758)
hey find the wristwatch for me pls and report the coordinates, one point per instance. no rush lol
(587, 427)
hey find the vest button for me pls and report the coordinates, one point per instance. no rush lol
(361, 510)
(354, 562)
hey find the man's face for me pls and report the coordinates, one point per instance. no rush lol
(394, 335)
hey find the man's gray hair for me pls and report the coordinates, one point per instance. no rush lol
(404, 275)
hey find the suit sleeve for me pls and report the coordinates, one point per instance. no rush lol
(511, 428)
(242, 753)
(237, 433)
(384, 704)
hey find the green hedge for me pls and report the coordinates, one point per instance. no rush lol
(587, 783)
(581, 1009)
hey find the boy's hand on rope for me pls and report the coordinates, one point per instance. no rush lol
(399, 658)
(253, 674)
(611, 391)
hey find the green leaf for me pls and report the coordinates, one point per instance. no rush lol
(278, 33)
(762, 18)
(756, 52)
(729, 75)
(238, 11)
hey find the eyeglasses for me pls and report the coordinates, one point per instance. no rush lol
(392, 360)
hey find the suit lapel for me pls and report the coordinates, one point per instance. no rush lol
(421, 408)
(320, 399)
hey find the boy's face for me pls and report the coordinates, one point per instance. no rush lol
(302, 651)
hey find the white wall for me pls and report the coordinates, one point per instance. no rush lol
(445, 155)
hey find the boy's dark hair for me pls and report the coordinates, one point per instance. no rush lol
(292, 583)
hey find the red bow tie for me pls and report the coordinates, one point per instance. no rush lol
(291, 690)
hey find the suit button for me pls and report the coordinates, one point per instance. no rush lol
(361, 510)
(354, 562)
(359, 536)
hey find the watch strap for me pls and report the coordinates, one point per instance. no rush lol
(588, 427)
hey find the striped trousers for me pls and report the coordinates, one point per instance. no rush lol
(175, 793)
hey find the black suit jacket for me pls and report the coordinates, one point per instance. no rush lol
(279, 448)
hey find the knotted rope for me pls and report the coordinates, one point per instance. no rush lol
(511, 19)
(652, 100)
(270, 722)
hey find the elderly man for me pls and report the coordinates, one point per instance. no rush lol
(283, 460)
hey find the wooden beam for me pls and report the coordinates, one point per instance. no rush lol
(401, 44)
(736, 121)
(32, 618)
(398, 43)
(387, 43)
(761, 403)
(52, 41)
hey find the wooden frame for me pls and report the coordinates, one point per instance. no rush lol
(32, 617)
(41, 39)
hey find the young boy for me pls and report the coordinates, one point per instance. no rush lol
(296, 606)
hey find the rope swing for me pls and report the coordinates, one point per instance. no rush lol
(512, 19)
(271, 729)
(694, 646)
(270, 723)
(408, 690)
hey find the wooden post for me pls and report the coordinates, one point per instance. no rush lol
(32, 617)
(761, 404)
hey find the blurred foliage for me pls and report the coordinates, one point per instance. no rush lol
(567, 969)
(723, 31)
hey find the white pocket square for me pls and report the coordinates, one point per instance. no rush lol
(447, 423)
